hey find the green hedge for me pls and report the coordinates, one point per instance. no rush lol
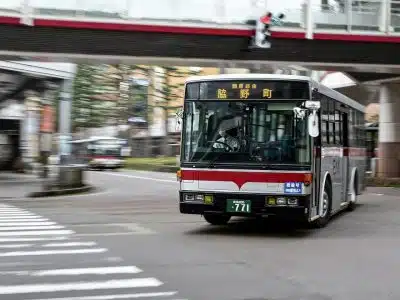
(383, 182)
(157, 164)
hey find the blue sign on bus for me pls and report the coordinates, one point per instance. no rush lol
(293, 187)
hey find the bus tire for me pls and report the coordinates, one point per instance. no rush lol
(217, 219)
(353, 196)
(323, 220)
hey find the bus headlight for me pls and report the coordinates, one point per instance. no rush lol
(281, 201)
(293, 201)
(208, 199)
(200, 198)
(188, 197)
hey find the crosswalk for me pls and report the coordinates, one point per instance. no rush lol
(43, 260)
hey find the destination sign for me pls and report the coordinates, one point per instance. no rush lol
(247, 90)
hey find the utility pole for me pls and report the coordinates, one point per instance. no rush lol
(46, 126)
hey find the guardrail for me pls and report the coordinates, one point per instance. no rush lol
(372, 16)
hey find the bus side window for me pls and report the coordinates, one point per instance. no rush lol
(331, 129)
(338, 126)
(350, 127)
(324, 120)
(361, 132)
(345, 129)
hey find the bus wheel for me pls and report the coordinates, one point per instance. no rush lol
(326, 202)
(353, 198)
(217, 219)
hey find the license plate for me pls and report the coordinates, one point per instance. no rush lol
(238, 206)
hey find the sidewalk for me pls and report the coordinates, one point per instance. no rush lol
(388, 191)
(13, 185)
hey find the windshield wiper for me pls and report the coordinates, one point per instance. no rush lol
(212, 162)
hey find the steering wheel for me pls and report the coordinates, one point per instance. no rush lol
(224, 144)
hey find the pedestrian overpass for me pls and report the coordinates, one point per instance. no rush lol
(360, 38)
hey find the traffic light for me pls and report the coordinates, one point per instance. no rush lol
(263, 29)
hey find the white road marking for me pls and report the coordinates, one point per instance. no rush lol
(13, 210)
(136, 228)
(19, 214)
(375, 194)
(16, 264)
(57, 238)
(71, 244)
(32, 227)
(79, 286)
(18, 227)
(29, 223)
(87, 271)
(140, 177)
(42, 232)
(22, 218)
(15, 246)
(116, 297)
(16, 273)
(112, 234)
(53, 252)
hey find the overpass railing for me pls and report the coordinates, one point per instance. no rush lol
(368, 16)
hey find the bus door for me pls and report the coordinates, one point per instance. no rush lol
(345, 163)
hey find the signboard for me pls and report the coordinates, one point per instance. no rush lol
(248, 90)
(47, 124)
(46, 142)
(293, 187)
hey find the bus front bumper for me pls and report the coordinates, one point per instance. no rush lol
(256, 205)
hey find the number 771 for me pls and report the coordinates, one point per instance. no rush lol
(241, 207)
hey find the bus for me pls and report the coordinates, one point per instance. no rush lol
(99, 152)
(269, 145)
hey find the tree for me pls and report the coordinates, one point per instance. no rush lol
(84, 113)
(167, 86)
(95, 96)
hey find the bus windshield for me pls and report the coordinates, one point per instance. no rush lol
(106, 149)
(245, 132)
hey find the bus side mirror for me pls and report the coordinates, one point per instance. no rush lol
(313, 125)
(313, 120)
(315, 95)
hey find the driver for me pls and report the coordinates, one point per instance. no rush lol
(227, 139)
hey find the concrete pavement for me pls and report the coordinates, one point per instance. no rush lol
(134, 223)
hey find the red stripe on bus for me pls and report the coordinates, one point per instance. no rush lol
(357, 152)
(347, 151)
(240, 178)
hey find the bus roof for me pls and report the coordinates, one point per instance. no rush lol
(323, 89)
(246, 76)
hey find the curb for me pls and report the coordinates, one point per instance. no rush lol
(70, 191)
(152, 168)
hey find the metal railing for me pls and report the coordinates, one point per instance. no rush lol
(369, 16)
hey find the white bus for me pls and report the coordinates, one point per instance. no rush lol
(99, 152)
(268, 145)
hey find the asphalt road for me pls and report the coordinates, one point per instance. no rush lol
(128, 241)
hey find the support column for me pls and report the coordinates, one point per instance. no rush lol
(64, 120)
(389, 131)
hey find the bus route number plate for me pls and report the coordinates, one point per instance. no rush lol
(238, 206)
